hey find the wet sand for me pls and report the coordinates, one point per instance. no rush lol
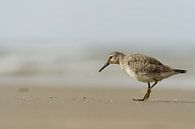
(77, 108)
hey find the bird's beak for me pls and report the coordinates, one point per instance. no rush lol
(105, 65)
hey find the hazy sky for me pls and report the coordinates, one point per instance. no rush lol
(97, 19)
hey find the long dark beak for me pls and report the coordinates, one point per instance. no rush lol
(105, 65)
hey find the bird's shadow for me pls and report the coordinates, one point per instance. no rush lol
(173, 101)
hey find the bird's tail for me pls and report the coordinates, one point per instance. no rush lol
(180, 71)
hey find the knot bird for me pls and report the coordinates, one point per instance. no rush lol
(142, 68)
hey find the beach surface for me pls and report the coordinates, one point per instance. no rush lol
(31, 107)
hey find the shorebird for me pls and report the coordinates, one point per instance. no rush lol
(142, 68)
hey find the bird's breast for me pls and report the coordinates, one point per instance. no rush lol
(129, 71)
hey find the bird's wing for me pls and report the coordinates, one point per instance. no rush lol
(142, 64)
(144, 59)
(145, 68)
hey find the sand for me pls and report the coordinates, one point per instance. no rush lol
(77, 108)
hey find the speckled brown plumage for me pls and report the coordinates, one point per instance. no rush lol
(142, 68)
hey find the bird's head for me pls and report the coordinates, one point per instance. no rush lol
(113, 58)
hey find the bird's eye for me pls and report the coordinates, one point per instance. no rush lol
(110, 57)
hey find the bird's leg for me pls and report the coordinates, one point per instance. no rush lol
(153, 85)
(147, 95)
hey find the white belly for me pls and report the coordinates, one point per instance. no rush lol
(146, 77)
(142, 77)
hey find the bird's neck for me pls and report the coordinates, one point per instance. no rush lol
(121, 57)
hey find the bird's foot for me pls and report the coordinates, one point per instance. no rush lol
(138, 99)
(146, 96)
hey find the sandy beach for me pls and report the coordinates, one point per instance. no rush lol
(52, 53)
(80, 108)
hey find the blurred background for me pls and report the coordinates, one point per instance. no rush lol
(64, 43)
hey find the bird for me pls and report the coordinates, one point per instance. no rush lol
(142, 68)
